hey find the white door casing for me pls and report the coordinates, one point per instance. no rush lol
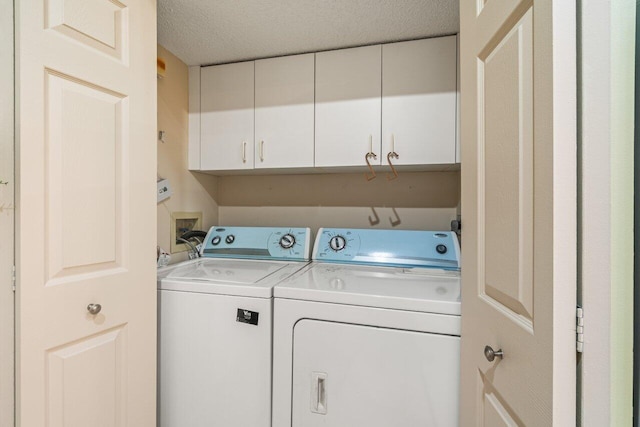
(518, 83)
(86, 170)
(6, 216)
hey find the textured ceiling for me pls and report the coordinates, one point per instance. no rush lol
(218, 31)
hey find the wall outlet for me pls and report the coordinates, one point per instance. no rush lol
(164, 190)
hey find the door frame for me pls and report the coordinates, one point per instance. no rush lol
(7, 309)
(606, 58)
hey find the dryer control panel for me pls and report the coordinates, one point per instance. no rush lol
(272, 243)
(404, 248)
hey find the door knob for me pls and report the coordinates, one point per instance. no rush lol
(94, 308)
(491, 354)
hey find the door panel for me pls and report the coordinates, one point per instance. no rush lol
(518, 81)
(495, 414)
(71, 402)
(102, 26)
(86, 170)
(506, 192)
(347, 375)
(86, 139)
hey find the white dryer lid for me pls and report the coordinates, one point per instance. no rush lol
(414, 289)
(252, 278)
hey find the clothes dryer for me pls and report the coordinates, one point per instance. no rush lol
(368, 334)
(215, 326)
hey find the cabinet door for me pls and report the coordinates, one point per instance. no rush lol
(227, 109)
(419, 101)
(284, 112)
(348, 105)
(348, 375)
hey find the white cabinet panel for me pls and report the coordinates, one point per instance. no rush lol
(347, 375)
(227, 113)
(419, 101)
(348, 106)
(284, 118)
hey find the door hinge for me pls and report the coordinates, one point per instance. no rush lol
(579, 329)
(13, 278)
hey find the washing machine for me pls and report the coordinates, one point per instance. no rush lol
(215, 326)
(368, 334)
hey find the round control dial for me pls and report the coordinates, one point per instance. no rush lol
(441, 249)
(337, 243)
(287, 241)
(230, 238)
(216, 240)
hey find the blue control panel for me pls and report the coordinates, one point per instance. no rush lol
(274, 243)
(403, 248)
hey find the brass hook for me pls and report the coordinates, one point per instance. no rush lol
(366, 159)
(392, 154)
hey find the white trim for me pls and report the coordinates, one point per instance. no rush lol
(606, 46)
(7, 356)
(194, 118)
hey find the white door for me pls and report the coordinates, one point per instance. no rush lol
(86, 212)
(348, 106)
(285, 112)
(419, 101)
(519, 212)
(347, 375)
(226, 116)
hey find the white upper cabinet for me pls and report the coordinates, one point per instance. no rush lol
(348, 106)
(227, 113)
(284, 119)
(419, 84)
(339, 108)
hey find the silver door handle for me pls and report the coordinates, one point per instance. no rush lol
(319, 392)
(262, 151)
(94, 308)
(244, 152)
(491, 354)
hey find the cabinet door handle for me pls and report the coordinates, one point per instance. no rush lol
(244, 152)
(262, 151)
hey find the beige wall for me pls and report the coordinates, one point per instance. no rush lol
(6, 214)
(192, 192)
(416, 200)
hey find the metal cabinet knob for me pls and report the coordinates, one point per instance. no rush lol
(491, 354)
(94, 308)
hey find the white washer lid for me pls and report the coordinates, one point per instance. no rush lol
(252, 278)
(413, 289)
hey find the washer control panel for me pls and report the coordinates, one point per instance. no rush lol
(273, 243)
(407, 248)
